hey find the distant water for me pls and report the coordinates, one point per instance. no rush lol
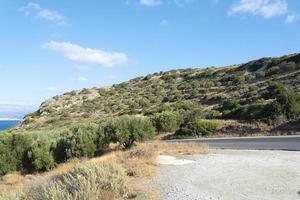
(7, 124)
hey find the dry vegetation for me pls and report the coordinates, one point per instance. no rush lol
(115, 175)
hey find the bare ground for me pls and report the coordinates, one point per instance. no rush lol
(230, 175)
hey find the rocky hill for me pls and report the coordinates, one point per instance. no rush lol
(206, 89)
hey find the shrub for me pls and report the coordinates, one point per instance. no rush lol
(271, 71)
(284, 104)
(165, 121)
(230, 105)
(80, 141)
(13, 152)
(128, 129)
(196, 128)
(21, 143)
(8, 161)
(39, 156)
(92, 181)
(260, 74)
(285, 99)
(289, 66)
(189, 112)
(213, 114)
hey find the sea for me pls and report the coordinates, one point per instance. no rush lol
(4, 124)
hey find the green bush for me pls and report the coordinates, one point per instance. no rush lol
(273, 70)
(21, 143)
(281, 103)
(129, 129)
(260, 74)
(165, 121)
(13, 152)
(289, 66)
(80, 141)
(286, 99)
(39, 156)
(189, 112)
(8, 160)
(230, 104)
(196, 128)
(214, 114)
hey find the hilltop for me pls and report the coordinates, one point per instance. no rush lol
(192, 88)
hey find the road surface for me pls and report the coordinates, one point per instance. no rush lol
(288, 143)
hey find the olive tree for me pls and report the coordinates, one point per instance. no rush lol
(129, 129)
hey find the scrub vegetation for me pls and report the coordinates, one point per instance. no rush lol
(258, 97)
(247, 92)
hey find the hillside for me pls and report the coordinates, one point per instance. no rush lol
(206, 89)
(261, 97)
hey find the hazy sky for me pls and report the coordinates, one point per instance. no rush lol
(50, 47)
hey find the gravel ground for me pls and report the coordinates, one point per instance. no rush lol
(230, 175)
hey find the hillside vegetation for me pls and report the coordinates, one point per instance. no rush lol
(259, 97)
(234, 92)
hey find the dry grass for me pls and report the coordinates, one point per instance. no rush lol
(91, 181)
(140, 161)
(139, 164)
(180, 148)
(11, 186)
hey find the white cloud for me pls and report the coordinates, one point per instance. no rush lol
(150, 2)
(290, 18)
(42, 13)
(82, 55)
(265, 8)
(82, 79)
(163, 22)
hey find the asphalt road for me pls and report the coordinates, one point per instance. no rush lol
(288, 143)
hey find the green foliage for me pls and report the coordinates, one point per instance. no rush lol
(25, 152)
(230, 104)
(165, 121)
(260, 74)
(32, 152)
(196, 128)
(13, 152)
(281, 102)
(129, 129)
(39, 156)
(189, 112)
(289, 66)
(83, 141)
(8, 160)
(285, 99)
(214, 114)
(273, 70)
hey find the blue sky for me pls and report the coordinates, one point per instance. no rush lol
(50, 47)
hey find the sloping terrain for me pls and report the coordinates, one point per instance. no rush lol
(172, 90)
